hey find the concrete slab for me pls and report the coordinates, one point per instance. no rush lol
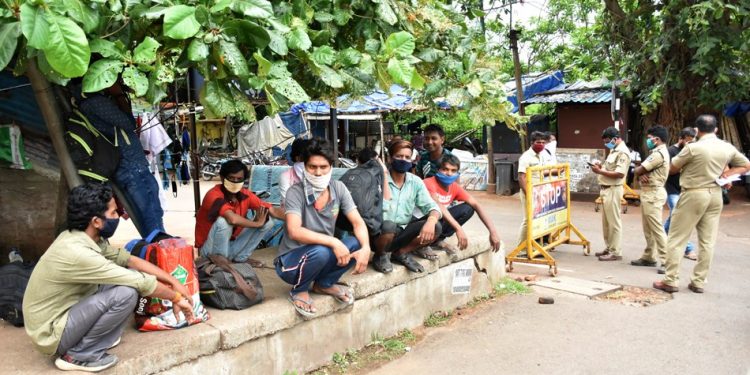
(578, 286)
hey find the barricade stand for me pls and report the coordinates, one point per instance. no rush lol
(547, 213)
(628, 195)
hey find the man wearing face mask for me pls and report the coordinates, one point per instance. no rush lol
(401, 232)
(611, 179)
(535, 156)
(83, 291)
(232, 220)
(444, 189)
(652, 175)
(687, 135)
(294, 174)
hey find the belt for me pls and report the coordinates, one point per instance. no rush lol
(699, 189)
(604, 186)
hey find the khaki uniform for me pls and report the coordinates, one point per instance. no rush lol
(653, 197)
(700, 203)
(529, 159)
(611, 193)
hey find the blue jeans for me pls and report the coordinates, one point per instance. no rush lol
(219, 240)
(313, 263)
(671, 203)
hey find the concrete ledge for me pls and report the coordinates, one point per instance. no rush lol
(271, 338)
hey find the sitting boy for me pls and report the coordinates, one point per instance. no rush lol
(225, 224)
(444, 189)
(310, 257)
(83, 292)
(401, 232)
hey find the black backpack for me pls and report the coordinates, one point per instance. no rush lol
(13, 280)
(95, 156)
(227, 285)
(365, 183)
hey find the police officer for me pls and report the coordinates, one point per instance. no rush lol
(611, 178)
(700, 203)
(652, 174)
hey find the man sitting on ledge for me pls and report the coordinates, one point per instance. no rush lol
(309, 253)
(225, 224)
(81, 293)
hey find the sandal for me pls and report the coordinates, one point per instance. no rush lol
(407, 261)
(426, 253)
(449, 249)
(382, 263)
(301, 310)
(691, 255)
(254, 263)
(342, 292)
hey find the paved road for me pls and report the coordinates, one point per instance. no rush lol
(691, 334)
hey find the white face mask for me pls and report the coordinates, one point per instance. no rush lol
(233, 187)
(318, 182)
(299, 169)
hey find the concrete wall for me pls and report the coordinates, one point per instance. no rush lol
(582, 180)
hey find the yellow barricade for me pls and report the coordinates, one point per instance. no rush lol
(547, 214)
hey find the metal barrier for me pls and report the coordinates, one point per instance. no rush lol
(547, 214)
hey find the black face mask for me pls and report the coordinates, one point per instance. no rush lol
(401, 166)
(109, 228)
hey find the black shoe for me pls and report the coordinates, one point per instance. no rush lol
(643, 262)
(407, 261)
(381, 263)
(662, 270)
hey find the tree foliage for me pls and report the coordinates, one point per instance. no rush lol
(290, 50)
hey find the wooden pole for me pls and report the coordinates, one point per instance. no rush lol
(519, 84)
(196, 161)
(491, 187)
(47, 102)
(382, 140)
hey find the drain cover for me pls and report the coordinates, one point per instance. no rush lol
(578, 286)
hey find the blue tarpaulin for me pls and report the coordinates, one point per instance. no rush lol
(736, 109)
(536, 85)
(377, 101)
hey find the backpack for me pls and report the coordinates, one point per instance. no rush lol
(13, 280)
(226, 285)
(365, 183)
(95, 156)
(175, 256)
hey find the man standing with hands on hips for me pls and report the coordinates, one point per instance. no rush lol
(611, 178)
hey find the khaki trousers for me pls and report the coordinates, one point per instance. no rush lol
(524, 222)
(699, 209)
(652, 206)
(611, 220)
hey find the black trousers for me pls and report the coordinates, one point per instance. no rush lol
(407, 234)
(462, 213)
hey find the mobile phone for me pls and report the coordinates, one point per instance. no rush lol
(589, 163)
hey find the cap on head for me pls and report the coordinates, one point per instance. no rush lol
(611, 132)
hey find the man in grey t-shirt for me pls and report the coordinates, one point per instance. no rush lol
(310, 257)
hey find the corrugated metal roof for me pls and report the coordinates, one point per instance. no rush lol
(18, 104)
(598, 91)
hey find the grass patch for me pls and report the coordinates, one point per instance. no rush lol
(438, 318)
(379, 350)
(506, 285)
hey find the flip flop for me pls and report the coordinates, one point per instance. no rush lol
(343, 292)
(254, 263)
(426, 253)
(407, 261)
(305, 314)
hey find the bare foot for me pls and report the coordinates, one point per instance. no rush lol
(337, 291)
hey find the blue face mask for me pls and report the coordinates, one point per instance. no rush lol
(445, 179)
(401, 166)
(650, 144)
(109, 228)
(610, 145)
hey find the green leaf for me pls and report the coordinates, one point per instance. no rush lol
(430, 55)
(298, 40)
(290, 89)
(277, 43)
(367, 65)
(221, 5)
(101, 75)
(350, 57)
(321, 38)
(279, 70)
(202, 15)
(9, 34)
(145, 52)
(34, 26)
(253, 8)
(386, 13)
(372, 46)
(323, 17)
(401, 71)
(180, 22)
(417, 81)
(330, 77)
(50, 73)
(106, 48)
(136, 80)
(280, 27)
(223, 100)
(164, 71)
(197, 50)
(399, 44)
(248, 33)
(435, 87)
(324, 55)
(474, 88)
(80, 12)
(256, 83)
(156, 90)
(68, 50)
(154, 12)
(232, 58)
(264, 66)
(341, 17)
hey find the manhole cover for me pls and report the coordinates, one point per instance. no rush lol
(634, 296)
(578, 286)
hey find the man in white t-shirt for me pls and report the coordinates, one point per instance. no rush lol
(535, 156)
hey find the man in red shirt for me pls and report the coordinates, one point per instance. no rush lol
(225, 224)
(444, 189)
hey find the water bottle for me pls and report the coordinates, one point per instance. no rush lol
(15, 255)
